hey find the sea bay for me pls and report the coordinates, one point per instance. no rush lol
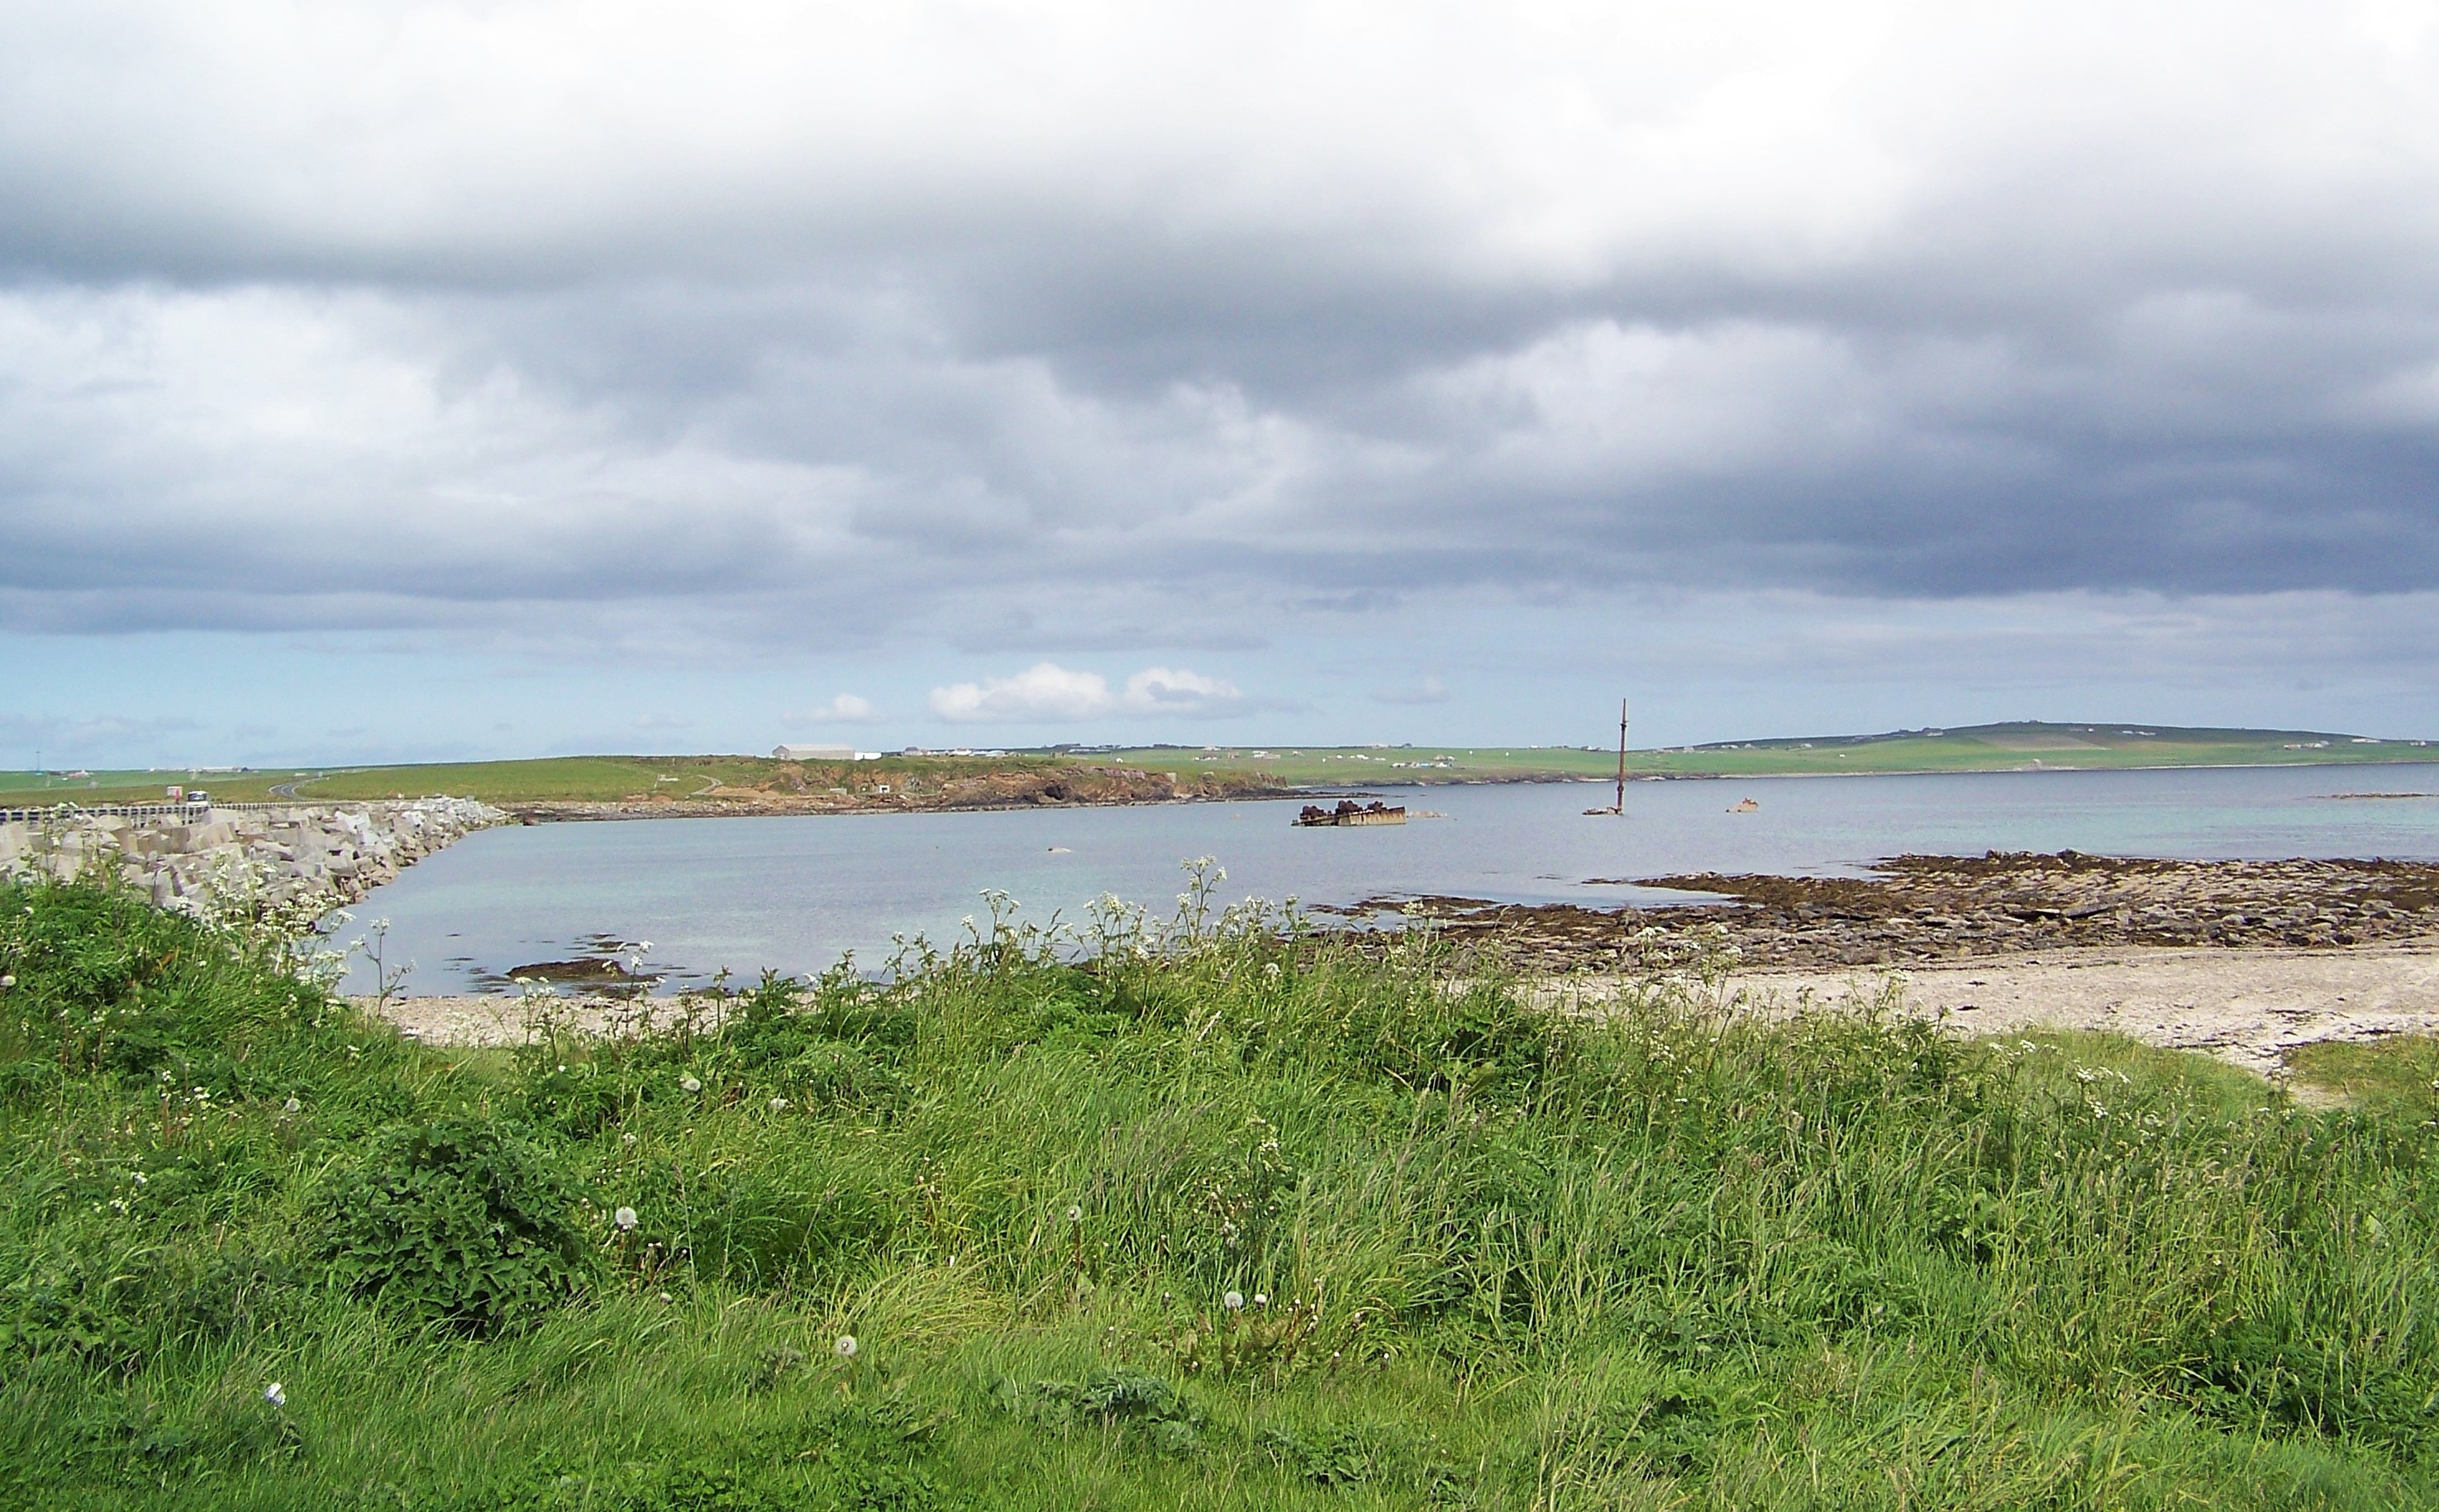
(795, 894)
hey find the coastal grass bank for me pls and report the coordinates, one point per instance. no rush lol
(1225, 1215)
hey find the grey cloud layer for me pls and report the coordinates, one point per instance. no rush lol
(1054, 332)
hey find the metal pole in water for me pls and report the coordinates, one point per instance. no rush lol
(1621, 757)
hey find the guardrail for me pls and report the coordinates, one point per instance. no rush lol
(64, 810)
(182, 812)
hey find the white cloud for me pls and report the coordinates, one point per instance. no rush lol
(661, 721)
(1042, 691)
(1046, 691)
(845, 709)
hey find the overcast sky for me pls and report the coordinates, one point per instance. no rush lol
(421, 381)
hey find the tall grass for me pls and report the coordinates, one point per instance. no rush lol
(1220, 1216)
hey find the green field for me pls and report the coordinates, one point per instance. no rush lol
(572, 779)
(612, 779)
(1218, 1220)
(1982, 747)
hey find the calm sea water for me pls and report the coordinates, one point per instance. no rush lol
(794, 894)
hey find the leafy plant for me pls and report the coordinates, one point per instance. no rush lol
(462, 1220)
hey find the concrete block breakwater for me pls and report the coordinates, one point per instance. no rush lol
(283, 855)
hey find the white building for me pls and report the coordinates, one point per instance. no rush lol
(814, 753)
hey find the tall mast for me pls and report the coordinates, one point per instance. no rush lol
(1621, 757)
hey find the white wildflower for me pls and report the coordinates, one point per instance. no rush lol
(626, 1219)
(292, 1105)
(1261, 1299)
(777, 1104)
(1075, 1214)
(1234, 1300)
(276, 1395)
(846, 1347)
(689, 1084)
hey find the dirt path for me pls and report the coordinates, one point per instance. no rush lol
(504, 1021)
(2246, 1007)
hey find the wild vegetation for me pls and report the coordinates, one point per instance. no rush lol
(1208, 1214)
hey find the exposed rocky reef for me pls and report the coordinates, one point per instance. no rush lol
(295, 857)
(1932, 908)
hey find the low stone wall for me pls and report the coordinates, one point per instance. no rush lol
(288, 855)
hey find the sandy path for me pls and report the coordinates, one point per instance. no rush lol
(2247, 1007)
(500, 1020)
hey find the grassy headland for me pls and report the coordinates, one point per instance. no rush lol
(700, 784)
(1220, 1219)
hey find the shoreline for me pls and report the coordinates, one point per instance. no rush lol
(703, 807)
(1127, 785)
(2251, 1007)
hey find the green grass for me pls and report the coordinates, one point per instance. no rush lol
(2399, 1077)
(561, 779)
(1982, 747)
(1503, 1257)
(26, 789)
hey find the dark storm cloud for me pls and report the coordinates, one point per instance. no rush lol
(1047, 333)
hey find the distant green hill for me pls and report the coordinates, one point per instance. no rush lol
(2024, 745)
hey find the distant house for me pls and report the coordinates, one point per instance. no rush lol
(814, 753)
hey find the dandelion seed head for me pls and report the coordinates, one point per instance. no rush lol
(276, 1395)
(1234, 1300)
(1261, 1299)
(292, 1105)
(1075, 1214)
(690, 1084)
(626, 1219)
(847, 1346)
